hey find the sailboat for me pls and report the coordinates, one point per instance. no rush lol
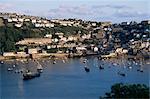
(39, 67)
(124, 65)
(141, 66)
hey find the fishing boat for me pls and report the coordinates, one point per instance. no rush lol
(30, 75)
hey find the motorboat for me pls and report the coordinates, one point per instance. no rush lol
(2, 62)
(87, 69)
(85, 60)
(100, 67)
(54, 62)
(10, 69)
(14, 66)
(130, 67)
(140, 70)
(122, 74)
(63, 61)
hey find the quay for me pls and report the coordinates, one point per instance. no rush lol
(64, 55)
(34, 56)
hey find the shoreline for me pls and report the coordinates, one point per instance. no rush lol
(66, 55)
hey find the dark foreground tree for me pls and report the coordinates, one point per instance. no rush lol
(125, 91)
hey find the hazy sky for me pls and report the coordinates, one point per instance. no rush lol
(99, 10)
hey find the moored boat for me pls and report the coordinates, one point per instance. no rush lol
(2, 62)
(40, 68)
(87, 69)
(10, 69)
(30, 75)
(100, 67)
(121, 74)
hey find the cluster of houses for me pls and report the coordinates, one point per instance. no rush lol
(18, 20)
(40, 22)
(105, 38)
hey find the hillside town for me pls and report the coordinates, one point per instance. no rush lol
(105, 39)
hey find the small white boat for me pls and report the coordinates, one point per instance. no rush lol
(14, 66)
(2, 62)
(115, 64)
(63, 61)
(136, 63)
(85, 60)
(130, 67)
(10, 69)
(54, 62)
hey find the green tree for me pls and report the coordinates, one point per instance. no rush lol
(134, 91)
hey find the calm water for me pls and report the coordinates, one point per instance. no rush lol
(68, 80)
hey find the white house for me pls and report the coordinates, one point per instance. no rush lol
(45, 21)
(124, 51)
(88, 36)
(37, 25)
(8, 54)
(55, 40)
(27, 20)
(119, 50)
(9, 20)
(52, 25)
(60, 34)
(145, 44)
(64, 39)
(48, 35)
(18, 25)
(48, 25)
(93, 24)
(33, 20)
(32, 51)
(81, 48)
(20, 19)
(14, 19)
(39, 21)
(95, 49)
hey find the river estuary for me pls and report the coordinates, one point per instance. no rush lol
(68, 79)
